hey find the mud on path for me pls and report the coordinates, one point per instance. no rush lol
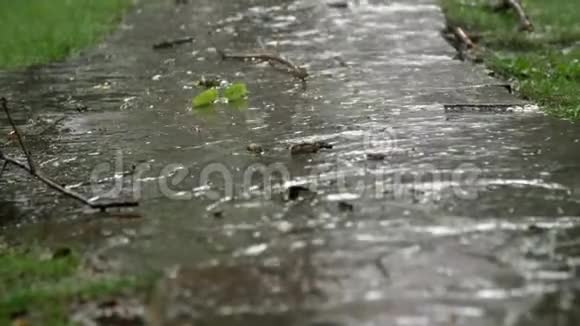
(468, 220)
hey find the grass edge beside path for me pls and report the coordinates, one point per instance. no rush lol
(544, 65)
(42, 286)
(37, 32)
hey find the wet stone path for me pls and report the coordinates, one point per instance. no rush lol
(457, 217)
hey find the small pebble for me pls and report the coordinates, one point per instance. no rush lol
(309, 148)
(61, 253)
(337, 4)
(376, 156)
(535, 229)
(294, 192)
(304, 148)
(345, 207)
(255, 148)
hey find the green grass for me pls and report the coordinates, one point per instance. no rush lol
(40, 31)
(44, 287)
(545, 64)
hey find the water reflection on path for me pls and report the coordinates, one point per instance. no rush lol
(470, 219)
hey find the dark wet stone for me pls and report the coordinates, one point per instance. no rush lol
(60, 253)
(535, 229)
(9, 211)
(108, 304)
(345, 207)
(19, 314)
(255, 148)
(209, 82)
(340, 61)
(309, 148)
(295, 192)
(325, 145)
(76, 106)
(337, 4)
(304, 148)
(376, 156)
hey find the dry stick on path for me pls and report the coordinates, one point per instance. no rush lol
(483, 105)
(272, 58)
(463, 38)
(34, 172)
(525, 23)
(171, 43)
(464, 44)
(19, 137)
(516, 5)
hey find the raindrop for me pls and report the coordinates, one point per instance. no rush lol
(255, 249)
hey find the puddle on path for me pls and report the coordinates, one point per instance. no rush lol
(469, 219)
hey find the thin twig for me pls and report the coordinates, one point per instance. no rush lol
(69, 193)
(117, 176)
(483, 105)
(297, 71)
(171, 43)
(52, 125)
(30, 168)
(507, 86)
(381, 267)
(4, 165)
(4, 103)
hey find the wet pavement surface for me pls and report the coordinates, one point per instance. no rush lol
(457, 217)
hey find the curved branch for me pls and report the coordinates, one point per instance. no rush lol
(36, 173)
(295, 70)
(516, 5)
(19, 137)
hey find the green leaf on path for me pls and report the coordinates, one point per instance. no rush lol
(235, 92)
(205, 98)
